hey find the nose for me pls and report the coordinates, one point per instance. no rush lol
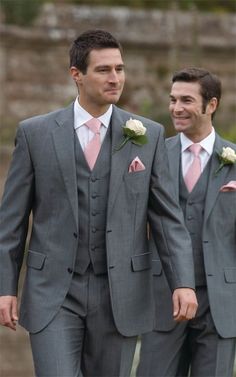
(113, 77)
(177, 107)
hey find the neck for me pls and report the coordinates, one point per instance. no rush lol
(95, 111)
(198, 137)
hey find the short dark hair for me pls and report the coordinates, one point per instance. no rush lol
(210, 85)
(86, 42)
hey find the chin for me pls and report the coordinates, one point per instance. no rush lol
(114, 99)
(179, 127)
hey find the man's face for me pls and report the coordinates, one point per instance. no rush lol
(186, 109)
(103, 82)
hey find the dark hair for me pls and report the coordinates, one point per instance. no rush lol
(90, 40)
(210, 85)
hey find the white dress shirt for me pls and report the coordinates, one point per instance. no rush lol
(81, 116)
(207, 145)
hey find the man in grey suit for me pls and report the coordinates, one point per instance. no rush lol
(88, 285)
(207, 342)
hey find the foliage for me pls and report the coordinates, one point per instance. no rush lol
(20, 12)
(23, 12)
(202, 5)
(229, 134)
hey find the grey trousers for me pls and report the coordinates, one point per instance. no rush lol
(192, 348)
(82, 339)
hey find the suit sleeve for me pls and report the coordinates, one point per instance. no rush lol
(14, 215)
(167, 223)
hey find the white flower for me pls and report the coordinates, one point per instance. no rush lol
(133, 131)
(226, 157)
(136, 126)
(228, 154)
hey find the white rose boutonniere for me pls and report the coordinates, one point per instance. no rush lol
(226, 157)
(135, 132)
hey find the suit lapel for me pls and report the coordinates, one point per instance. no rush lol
(215, 180)
(119, 159)
(63, 137)
(174, 152)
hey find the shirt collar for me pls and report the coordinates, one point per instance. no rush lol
(207, 143)
(81, 116)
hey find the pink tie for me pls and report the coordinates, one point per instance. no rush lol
(93, 147)
(194, 170)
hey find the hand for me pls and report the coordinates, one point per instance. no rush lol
(8, 311)
(184, 304)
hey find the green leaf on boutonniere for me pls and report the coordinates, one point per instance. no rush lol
(135, 132)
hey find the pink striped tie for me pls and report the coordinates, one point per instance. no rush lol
(92, 149)
(194, 170)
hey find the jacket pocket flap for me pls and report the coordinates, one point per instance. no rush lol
(230, 275)
(156, 267)
(142, 261)
(35, 260)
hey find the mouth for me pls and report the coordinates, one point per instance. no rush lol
(181, 118)
(112, 91)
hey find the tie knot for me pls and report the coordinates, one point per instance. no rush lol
(195, 149)
(94, 125)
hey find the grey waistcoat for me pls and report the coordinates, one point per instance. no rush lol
(92, 199)
(193, 205)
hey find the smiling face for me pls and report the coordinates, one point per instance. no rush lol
(103, 81)
(187, 110)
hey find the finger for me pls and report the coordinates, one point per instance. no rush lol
(191, 311)
(182, 313)
(187, 311)
(7, 321)
(14, 314)
(6, 316)
(176, 306)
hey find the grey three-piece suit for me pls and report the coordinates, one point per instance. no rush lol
(88, 230)
(209, 340)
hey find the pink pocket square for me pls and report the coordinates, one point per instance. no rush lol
(230, 186)
(136, 165)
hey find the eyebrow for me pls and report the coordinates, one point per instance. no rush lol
(182, 97)
(108, 66)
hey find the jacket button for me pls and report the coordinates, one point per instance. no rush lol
(69, 270)
(75, 235)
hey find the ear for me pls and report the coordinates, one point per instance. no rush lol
(76, 74)
(212, 105)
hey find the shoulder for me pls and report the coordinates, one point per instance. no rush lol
(171, 141)
(45, 120)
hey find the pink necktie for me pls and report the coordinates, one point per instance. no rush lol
(194, 170)
(93, 147)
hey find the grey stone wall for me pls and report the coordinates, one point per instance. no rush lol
(34, 73)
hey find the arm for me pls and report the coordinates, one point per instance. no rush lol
(171, 236)
(14, 217)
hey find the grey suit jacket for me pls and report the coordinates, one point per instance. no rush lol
(218, 242)
(42, 179)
